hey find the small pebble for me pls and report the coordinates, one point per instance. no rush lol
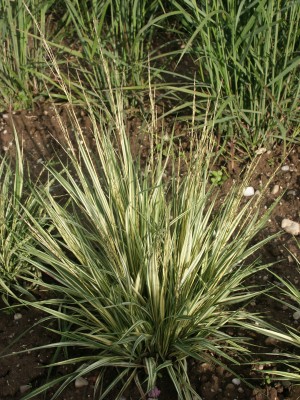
(5, 148)
(275, 189)
(17, 316)
(270, 341)
(4, 132)
(296, 315)
(24, 388)
(260, 151)
(290, 226)
(81, 382)
(285, 168)
(248, 191)
(5, 116)
(236, 381)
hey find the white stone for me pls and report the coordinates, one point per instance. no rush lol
(17, 316)
(290, 226)
(24, 388)
(285, 168)
(275, 189)
(260, 151)
(236, 381)
(296, 315)
(81, 382)
(249, 191)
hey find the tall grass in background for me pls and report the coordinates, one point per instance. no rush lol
(124, 33)
(22, 57)
(249, 54)
(244, 56)
(124, 29)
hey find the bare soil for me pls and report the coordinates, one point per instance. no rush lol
(41, 135)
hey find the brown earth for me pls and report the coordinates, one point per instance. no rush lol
(41, 135)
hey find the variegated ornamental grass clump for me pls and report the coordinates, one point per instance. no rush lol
(146, 271)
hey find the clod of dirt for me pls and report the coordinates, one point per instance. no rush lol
(271, 341)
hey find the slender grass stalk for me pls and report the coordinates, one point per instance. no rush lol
(15, 233)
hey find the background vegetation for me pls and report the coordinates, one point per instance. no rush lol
(241, 57)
